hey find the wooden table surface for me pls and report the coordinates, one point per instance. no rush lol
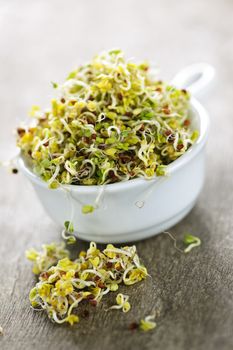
(42, 40)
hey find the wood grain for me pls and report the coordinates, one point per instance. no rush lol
(40, 41)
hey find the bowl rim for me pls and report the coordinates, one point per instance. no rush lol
(196, 107)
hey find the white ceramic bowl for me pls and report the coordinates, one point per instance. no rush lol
(139, 208)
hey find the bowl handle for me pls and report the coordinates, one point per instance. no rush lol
(195, 78)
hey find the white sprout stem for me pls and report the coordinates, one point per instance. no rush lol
(174, 240)
(56, 319)
(74, 305)
(164, 152)
(123, 299)
(88, 161)
(60, 135)
(136, 261)
(117, 307)
(147, 193)
(113, 127)
(193, 245)
(151, 122)
(101, 117)
(176, 140)
(76, 199)
(92, 271)
(85, 283)
(69, 169)
(127, 87)
(106, 291)
(56, 172)
(99, 196)
(112, 274)
(65, 235)
(126, 272)
(117, 251)
(42, 142)
(66, 126)
(52, 277)
(149, 318)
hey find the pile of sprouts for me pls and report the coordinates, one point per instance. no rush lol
(109, 122)
(63, 286)
(64, 283)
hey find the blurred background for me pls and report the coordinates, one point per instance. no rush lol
(44, 39)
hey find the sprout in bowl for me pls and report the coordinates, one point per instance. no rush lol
(112, 142)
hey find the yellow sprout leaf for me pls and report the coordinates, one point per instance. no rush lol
(147, 324)
(72, 319)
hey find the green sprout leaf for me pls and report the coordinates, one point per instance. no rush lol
(67, 233)
(87, 209)
(54, 85)
(72, 74)
(71, 240)
(161, 170)
(69, 226)
(115, 52)
(147, 324)
(191, 241)
(195, 135)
